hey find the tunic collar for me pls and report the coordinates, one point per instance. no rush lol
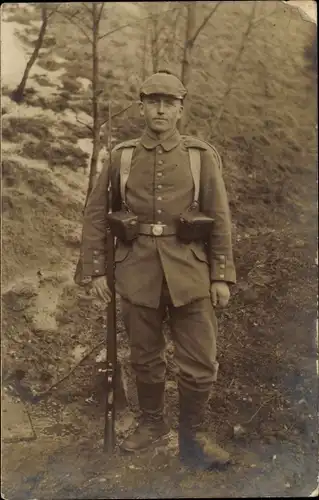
(150, 141)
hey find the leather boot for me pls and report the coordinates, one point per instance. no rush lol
(152, 426)
(196, 449)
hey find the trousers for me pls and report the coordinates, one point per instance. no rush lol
(193, 329)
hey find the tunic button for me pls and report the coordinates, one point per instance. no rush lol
(159, 211)
(159, 151)
(160, 186)
(160, 162)
(222, 266)
(159, 198)
(159, 174)
(95, 261)
(96, 271)
(222, 276)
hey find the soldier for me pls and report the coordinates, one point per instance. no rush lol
(179, 261)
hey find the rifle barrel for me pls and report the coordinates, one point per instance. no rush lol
(111, 352)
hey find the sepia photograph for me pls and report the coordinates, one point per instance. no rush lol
(159, 236)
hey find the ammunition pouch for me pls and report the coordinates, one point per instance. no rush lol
(193, 226)
(124, 225)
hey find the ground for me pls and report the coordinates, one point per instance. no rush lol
(53, 334)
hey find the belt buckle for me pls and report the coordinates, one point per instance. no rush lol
(157, 229)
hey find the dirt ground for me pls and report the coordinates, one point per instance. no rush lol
(53, 335)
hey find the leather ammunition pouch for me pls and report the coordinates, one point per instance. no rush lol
(193, 226)
(124, 225)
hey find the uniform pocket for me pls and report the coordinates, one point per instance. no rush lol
(200, 254)
(121, 253)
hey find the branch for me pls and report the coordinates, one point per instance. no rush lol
(260, 407)
(117, 114)
(114, 30)
(87, 8)
(54, 11)
(137, 22)
(38, 397)
(100, 13)
(83, 123)
(202, 26)
(234, 68)
(71, 20)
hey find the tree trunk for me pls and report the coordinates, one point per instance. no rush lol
(187, 58)
(95, 100)
(18, 94)
(144, 55)
(154, 45)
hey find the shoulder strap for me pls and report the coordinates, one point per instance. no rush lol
(125, 168)
(195, 165)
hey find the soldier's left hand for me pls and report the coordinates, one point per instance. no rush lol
(220, 294)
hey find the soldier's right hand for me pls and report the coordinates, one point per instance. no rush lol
(101, 289)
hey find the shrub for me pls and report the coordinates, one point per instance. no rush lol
(20, 16)
(48, 64)
(9, 171)
(70, 84)
(39, 127)
(56, 154)
(49, 41)
(43, 80)
(57, 104)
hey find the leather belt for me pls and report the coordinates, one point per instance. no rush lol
(156, 229)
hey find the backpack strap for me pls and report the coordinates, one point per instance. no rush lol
(127, 149)
(125, 168)
(195, 165)
(194, 147)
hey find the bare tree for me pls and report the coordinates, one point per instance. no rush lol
(233, 71)
(47, 12)
(159, 34)
(192, 32)
(87, 19)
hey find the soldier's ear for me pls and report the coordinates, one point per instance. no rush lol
(181, 109)
(141, 106)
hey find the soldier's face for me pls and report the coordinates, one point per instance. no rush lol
(161, 112)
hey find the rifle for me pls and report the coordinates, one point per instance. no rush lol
(111, 343)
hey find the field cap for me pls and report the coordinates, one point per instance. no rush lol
(163, 83)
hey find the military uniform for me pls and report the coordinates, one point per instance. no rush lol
(159, 273)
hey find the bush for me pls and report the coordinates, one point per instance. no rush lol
(20, 16)
(39, 127)
(48, 64)
(56, 154)
(43, 80)
(77, 131)
(59, 103)
(49, 41)
(70, 84)
(9, 171)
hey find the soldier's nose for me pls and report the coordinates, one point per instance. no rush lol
(160, 108)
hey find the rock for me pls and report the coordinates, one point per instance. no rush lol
(21, 296)
(16, 425)
(71, 232)
(239, 431)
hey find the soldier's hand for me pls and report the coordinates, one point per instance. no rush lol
(220, 294)
(101, 289)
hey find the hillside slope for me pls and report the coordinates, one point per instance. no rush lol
(267, 136)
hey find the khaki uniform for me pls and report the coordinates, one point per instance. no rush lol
(154, 273)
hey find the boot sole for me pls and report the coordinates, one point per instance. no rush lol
(160, 440)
